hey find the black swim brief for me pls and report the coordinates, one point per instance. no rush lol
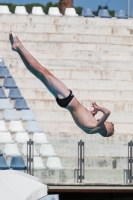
(64, 102)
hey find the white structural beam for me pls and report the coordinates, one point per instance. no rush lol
(128, 8)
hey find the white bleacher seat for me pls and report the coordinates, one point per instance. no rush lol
(40, 138)
(2, 126)
(54, 163)
(71, 12)
(11, 150)
(4, 9)
(5, 104)
(54, 11)
(16, 126)
(47, 150)
(38, 163)
(37, 10)
(20, 10)
(5, 137)
(22, 137)
(10, 114)
(27, 115)
(2, 63)
(24, 150)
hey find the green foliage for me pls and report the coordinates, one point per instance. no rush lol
(78, 10)
(112, 13)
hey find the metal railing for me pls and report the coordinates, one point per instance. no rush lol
(80, 172)
(130, 161)
(30, 157)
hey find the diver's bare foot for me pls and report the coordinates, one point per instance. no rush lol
(15, 42)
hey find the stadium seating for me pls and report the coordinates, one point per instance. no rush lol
(17, 163)
(47, 150)
(9, 83)
(11, 150)
(2, 126)
(120, 14)
(24, 150)
(71, 12)
(4, 9)
(5, 104)
(15, 93)
(3, 163)
(20, 104)
(1, 154)
(87, 12)
(20, 10)
(16, 126)
(4, 72)
(27, 115)
(33, 126)
(22, 137)
(38, 164)
(5, 137)
(37, 10)
(2, 94)
(40, 138)
(54, 163)
(10, 115)
(54, 11)
(2, 63)
(104, 13)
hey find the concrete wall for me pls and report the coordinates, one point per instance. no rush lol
(93, 57)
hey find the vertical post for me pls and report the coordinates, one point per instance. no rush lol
(128, 8)
(128, 160)
(80, 161)
(83, 161)
(27, 158)
(30, 156)
(131, 144)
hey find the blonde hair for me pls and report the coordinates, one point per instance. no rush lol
(111, 130)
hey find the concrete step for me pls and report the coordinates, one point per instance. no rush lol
(73, 64)
(80, 84)
(69, 28)
(71, 46)
(71, 127)
(97, 95)
(71, 37)
(64, 20)
(77, 55)
(99, 176)
(64, 115)
(52, 105)
(73, 74)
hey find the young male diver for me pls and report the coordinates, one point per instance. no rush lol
(64, 97)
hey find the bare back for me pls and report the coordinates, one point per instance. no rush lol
(82, 117)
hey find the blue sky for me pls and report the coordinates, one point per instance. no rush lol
(93, 4)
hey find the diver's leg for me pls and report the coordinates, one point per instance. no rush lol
(54, 85)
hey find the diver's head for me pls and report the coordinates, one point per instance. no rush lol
(107, 129)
